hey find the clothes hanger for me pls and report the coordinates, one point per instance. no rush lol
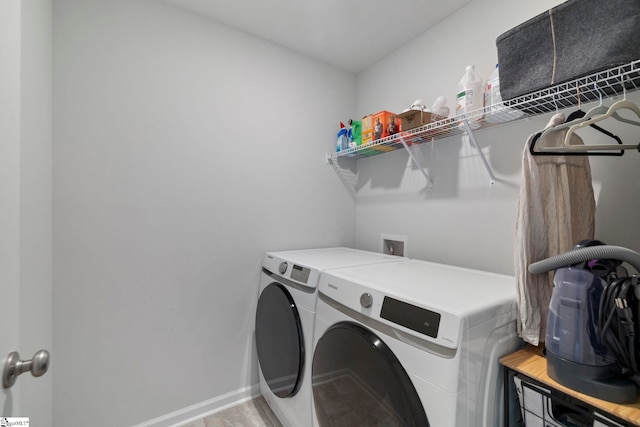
(579, 114)
(602, 109)
(568, 151)
(598, 110)
(571, 117)
(555, 151)
(622, 104)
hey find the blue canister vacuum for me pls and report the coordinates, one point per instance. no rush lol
(594, 315)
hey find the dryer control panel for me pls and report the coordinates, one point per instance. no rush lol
(304, 276)
(300, 273)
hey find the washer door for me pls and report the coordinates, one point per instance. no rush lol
(358, 381)
(279, 340)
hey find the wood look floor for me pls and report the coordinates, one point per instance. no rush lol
(254, 413)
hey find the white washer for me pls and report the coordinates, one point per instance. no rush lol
(284, 324)
(411, 343)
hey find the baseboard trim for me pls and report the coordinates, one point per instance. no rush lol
(203, 409)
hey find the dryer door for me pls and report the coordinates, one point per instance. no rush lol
(358, 381)
(279, 340)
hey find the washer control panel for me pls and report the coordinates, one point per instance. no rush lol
(412, 317)
(418, 319)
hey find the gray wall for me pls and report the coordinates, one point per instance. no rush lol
(183, 150)
(464, 220)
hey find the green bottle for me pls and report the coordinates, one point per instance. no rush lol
(355, 132)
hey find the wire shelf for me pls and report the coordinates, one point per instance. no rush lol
(615, 81)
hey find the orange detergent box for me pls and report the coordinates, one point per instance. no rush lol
(385, 124)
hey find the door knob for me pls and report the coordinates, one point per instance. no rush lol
(14, 366)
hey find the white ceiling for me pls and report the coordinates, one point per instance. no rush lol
(350, 34)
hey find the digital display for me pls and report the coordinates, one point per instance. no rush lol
(415, 318)
(301, 274)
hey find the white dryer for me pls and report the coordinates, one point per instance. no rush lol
(285, 320)
(411, 343)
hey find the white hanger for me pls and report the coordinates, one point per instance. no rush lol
(609, 113)
(602, 109)
(597, 110)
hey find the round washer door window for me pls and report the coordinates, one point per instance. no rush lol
(358, 381)
(279, 340)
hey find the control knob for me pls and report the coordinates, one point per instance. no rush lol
(283, 267)
(366, 300)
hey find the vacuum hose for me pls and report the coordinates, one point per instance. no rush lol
(586, 254)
